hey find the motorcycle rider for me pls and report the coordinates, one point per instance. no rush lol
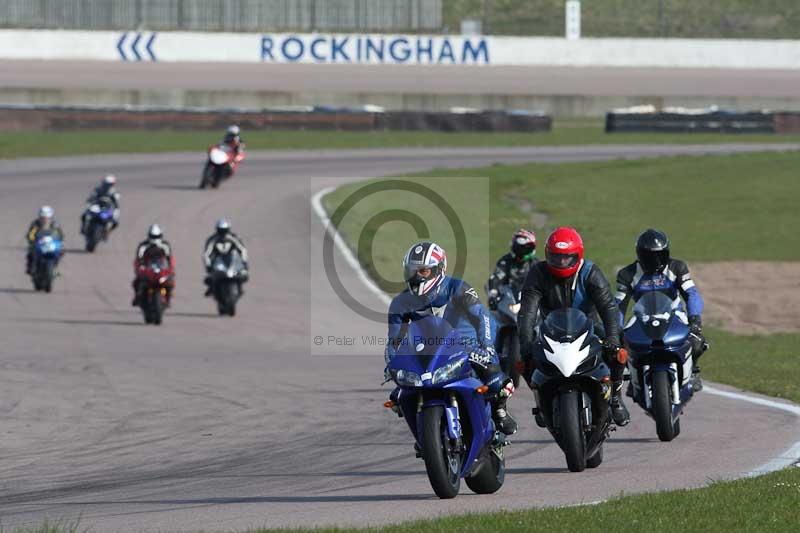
(567, 280)
(512, 268)
(155, 245)
(224, 241)
(654, 269)
(45, 221)
(431, 292)
(106, 189)
(234, 140)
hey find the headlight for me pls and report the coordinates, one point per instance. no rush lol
(408, 379)
(448, 371)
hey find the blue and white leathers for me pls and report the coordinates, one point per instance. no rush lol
(456, 302)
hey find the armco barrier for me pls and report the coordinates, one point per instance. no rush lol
(56, 118)
(709, 122)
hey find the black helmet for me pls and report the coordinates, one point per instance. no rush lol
(652, 250)
(523, 245)
(223, 227)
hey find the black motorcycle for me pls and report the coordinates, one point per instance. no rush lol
(227, 274)
(571, 385)
(507, 344)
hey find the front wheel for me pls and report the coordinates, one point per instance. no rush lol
(442, 463)
(489, 477)
(512, 356)
(47, 277)
(572, 439)
(662, 406)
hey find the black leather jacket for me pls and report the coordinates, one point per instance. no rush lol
(587, 290)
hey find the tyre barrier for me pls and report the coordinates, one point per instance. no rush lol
(369, 118)
(697, 121)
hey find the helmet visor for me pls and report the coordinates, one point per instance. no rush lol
(652, 261)
(524, 250)
(418, 276)
(562, 261)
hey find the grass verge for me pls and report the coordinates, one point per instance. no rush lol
(765, 504)
(588, 131)
(715, 208)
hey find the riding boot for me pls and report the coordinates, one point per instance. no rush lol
(619, 413)
(503, 420)
(695, 381)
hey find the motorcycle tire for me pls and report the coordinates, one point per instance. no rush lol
(595, 460)
(662, 405)
(489, 476)
(512, 356)
(573, 441)
(158, 309)
(204, 180)
(445, 477)
(47, 278)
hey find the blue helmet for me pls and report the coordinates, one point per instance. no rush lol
(424, 268)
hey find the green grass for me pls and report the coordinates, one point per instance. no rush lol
(715, 208)
(767, 364)
(764, 504)
(569, 132)
(742, 19)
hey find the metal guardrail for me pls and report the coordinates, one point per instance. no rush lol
(224, 15)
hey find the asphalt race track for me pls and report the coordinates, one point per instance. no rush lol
(371, 79)
(222, 424)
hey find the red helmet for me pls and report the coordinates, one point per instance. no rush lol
(564, 252)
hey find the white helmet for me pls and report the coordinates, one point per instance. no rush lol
(110, 180)
(46, 212)
(155, 232)
(233, 129)
(223, 226)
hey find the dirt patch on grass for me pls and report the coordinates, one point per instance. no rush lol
(750, 297)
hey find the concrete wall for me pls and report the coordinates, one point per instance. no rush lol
(397, 49)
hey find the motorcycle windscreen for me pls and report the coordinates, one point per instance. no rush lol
(430, 337)
(565, 337)
(566, 325)
(654, 312)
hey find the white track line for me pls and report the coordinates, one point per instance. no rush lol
(787, 458)
(316, 203)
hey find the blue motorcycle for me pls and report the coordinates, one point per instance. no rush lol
(46, 253)
(660, 360)
(447, 409)
(98, 219)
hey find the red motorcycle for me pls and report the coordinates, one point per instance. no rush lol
(221, 164)
(156, 280)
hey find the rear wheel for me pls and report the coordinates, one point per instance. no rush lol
(572, 439)
(442, 463)
(490, 475)
(662, 405)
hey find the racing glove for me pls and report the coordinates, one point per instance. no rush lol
(482, 356)
(696, 337)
